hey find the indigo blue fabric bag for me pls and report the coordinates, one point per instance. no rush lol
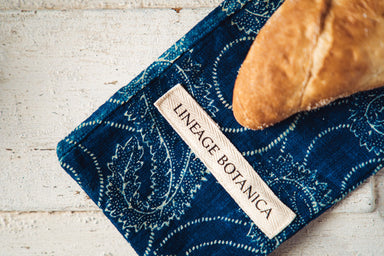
(163, 199)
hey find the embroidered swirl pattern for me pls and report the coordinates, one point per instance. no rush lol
(164, 201)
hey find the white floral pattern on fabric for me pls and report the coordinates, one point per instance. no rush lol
(284, 170)
(172, 184)
(259, 12)
(230, 7)
(368, 121)
(157, 194)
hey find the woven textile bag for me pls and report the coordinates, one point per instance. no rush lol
(162, 198)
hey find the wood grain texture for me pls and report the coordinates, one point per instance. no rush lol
(379, 193)
(103, 4)
(90, 233)
(60, 234)
(337, 234)
(56, 68)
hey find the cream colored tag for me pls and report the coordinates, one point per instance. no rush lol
(224, 161)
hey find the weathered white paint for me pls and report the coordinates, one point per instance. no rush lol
(104, 4)
(32, 180)
(181, 3)
(379, 192)
(362, 200)
(56, 68)
(338, 234)
(60, 234)
(90, 233)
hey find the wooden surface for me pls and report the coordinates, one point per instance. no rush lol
(60, 60)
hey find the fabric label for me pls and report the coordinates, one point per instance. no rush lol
(224, 161)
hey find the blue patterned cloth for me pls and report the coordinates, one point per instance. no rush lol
(164, 201)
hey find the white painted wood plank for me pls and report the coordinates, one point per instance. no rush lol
(90, 233)
(361, 200)
(75, 4)
(181, 3)
(103, 4)
(9, 5)
(60, 234)
(338, 234)
(32, 180)
(379, 192)
(56, 68)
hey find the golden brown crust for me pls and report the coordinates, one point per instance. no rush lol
(308, 54)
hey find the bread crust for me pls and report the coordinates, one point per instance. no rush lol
(308, 54)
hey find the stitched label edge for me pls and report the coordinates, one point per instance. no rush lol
(202, 134)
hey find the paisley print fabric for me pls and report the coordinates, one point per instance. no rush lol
(161, 197)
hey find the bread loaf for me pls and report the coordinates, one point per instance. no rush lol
(308, 54)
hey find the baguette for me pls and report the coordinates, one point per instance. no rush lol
(308, 54)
